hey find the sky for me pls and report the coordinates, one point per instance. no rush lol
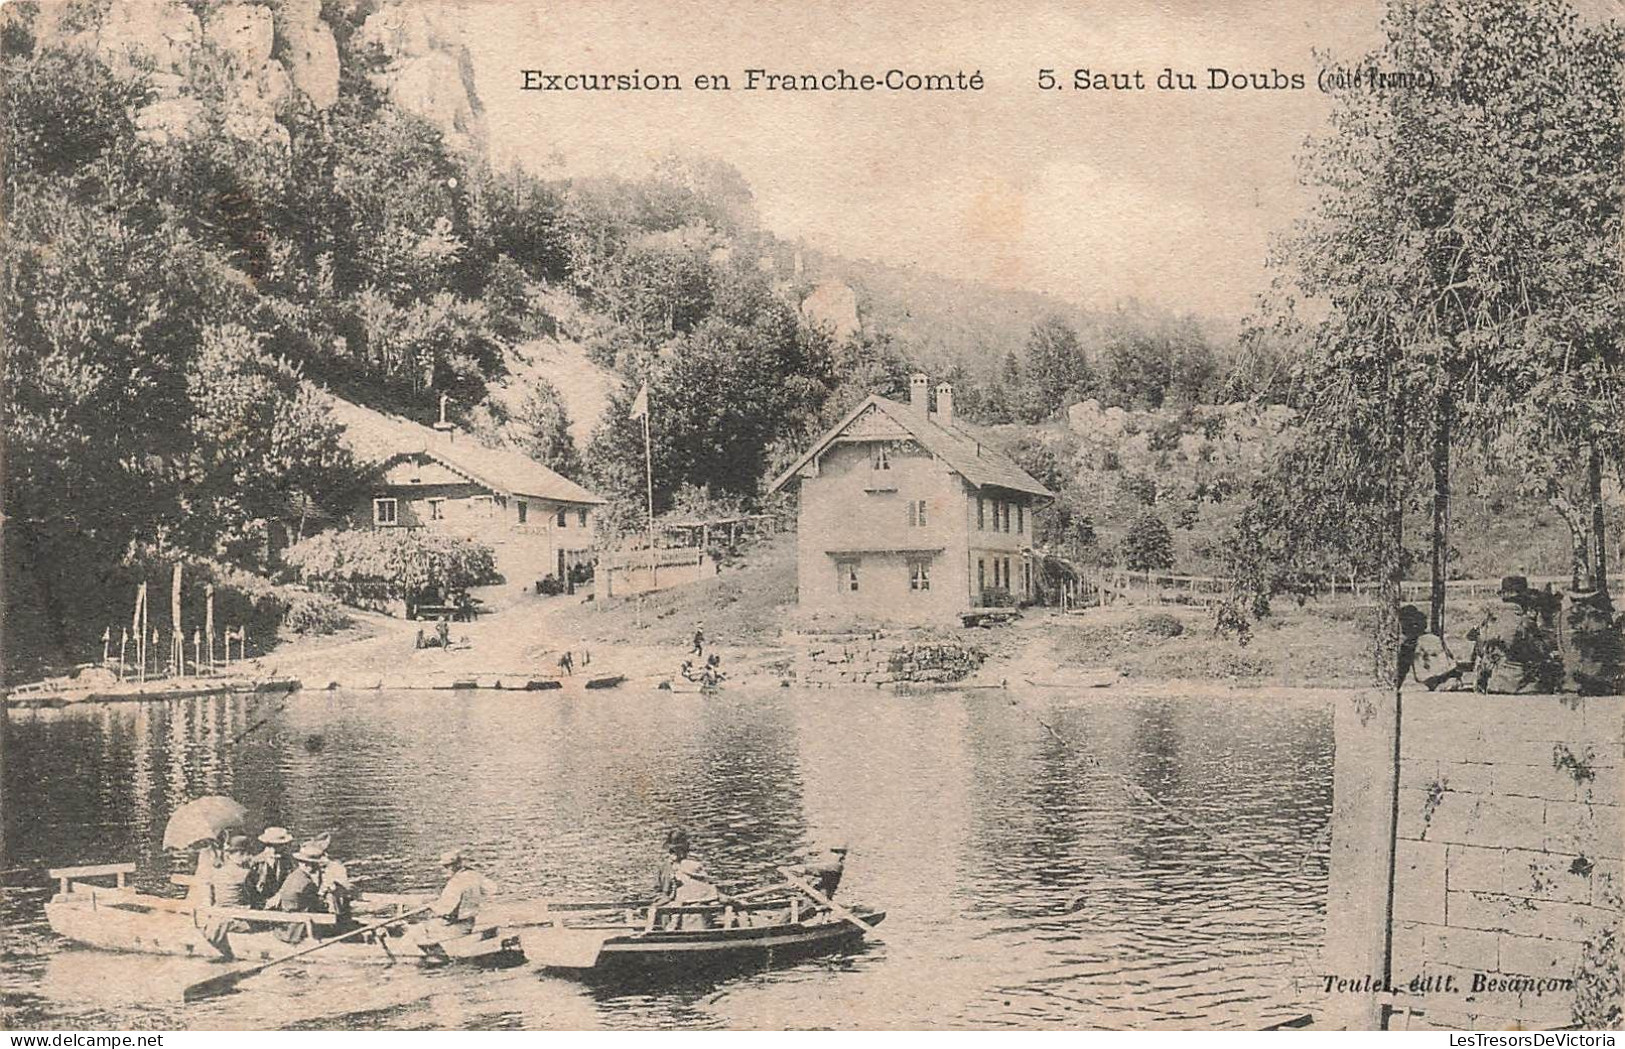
(1093, 196)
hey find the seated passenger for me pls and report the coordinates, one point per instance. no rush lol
(229, 887)
(271, 867)
(300, 892)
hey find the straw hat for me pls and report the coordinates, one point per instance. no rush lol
(275, 836)
(451, 858)
(311, 852)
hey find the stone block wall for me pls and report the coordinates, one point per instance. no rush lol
(1507, 852)
(873, 660)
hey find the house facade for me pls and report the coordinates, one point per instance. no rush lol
(538, 522)
(907, 516)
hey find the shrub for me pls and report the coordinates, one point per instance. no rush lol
(312, 613)
(1159, 624)
(1149, 545)
(406, 562)
(549, 585)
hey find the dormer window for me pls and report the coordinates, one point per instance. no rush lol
(878, 459)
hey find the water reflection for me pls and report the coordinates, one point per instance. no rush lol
(1026, 887)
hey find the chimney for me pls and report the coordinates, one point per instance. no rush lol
(446, 429)
(919, 393)
(945, 404)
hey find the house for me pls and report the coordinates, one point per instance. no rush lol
(538, 522)
(906, 515)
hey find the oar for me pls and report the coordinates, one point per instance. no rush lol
(228, 981)
(818, 897)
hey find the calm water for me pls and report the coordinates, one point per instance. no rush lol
(1025, 887)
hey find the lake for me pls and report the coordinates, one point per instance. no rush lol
(1026, 885)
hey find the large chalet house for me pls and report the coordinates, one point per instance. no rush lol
(538, 522)
(907, 516)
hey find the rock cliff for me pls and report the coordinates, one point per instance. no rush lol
(260, 56)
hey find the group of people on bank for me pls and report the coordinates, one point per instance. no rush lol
(1531, 641)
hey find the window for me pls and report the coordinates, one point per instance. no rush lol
(1010, 584)
(1021, 518)
(1026, 577)
(437, 509)
(524, 510)
(1006, 522)
(562, 520)
(846, 576)
(916, 513)
(981, 514)
(878, 459)
(981, 576)
(995, 573)
(919, 575)
(581, 518)
(481, 506)
(383, 512)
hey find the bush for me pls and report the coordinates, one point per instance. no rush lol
(549, 585)
(1159, 624)
(406, 562)
(312, 613)
(1149, 545)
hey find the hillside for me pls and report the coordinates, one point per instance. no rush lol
(1193, 468)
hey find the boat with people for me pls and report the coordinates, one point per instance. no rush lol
(591, 940)
(121, 918)
(673, 937)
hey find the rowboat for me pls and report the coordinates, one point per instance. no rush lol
(592, 941)
(119, 918)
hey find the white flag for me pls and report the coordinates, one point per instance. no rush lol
(640, 406)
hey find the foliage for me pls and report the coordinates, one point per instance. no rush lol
(312, 613)
(1454, 257)
(1058, 371)
(1148, 544)
(1159, 624)
(409, 562)
(261, 437)
(544, 428)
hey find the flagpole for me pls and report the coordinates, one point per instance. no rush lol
(649, 475)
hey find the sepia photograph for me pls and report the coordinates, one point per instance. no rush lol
(812, 516)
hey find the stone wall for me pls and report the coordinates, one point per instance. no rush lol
(1507, 854)
(873, 660)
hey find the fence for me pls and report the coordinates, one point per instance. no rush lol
(1111, 586)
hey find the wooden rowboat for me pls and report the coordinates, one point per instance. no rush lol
(119, 918)
(684, 942)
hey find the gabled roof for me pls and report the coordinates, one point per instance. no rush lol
(376, 438)
(970, 457)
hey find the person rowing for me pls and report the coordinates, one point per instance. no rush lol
(460, 901)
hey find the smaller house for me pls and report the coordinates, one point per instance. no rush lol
(538, 522)
(906, 515)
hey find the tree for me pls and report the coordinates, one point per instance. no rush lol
(263, 441)
(1058, 372)
(1429, 252)
(1148, 545)
(544, 425)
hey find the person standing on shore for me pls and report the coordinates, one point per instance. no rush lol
(699, 640)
